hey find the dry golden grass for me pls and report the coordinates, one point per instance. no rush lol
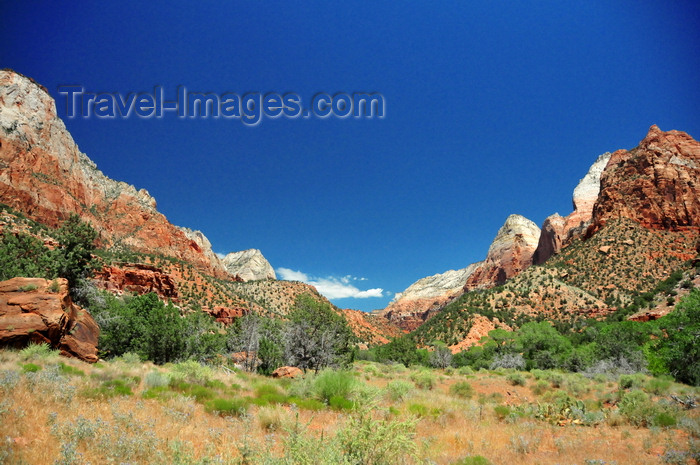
(43, 411)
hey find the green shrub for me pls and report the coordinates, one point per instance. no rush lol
(658, 386)
(227, 407)
(30, 368)
(70, 370)
(129, 358)
(341, 403)
(421, 410)
(634, 381)
(108, 389)
(663, 419)
(157, 392)
(371, 441)
(636, 407)
(424, 379)
(271, 418)
(501, 411)
(462, 389)
(200, 393)
(307, 404)
(465, 371)
(473, 460)
(157, 379)
(331, 383)
(540, 387)
(399, 389)
(516, 379)
(37, 351)
(192, 372)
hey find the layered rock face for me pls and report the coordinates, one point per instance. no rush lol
(420, 300)
(557, 231)
(249, 265)
(137, 278)
(510, 253)
(45, 176)
(41, 311)
(656, 184)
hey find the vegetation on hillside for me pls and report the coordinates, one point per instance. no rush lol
(63, 411)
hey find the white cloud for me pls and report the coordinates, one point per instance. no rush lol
(331, 287)
(291, 275)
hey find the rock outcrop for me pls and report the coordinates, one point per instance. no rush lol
(225, 315)
(45, 176)
(410, 308)
(35, 310)
(557, 231)
(137, 278)
(510, 253)
(249, 265)
(287, 372)
(656, 184)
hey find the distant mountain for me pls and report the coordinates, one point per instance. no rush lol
(249, 265)
(636, 221)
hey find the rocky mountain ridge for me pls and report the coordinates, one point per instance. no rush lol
(249, 265)
(655, 186)
(510, 252)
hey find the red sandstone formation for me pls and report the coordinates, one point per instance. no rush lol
(138, 278)
(656, 184)
(45, 176)
(35, 310)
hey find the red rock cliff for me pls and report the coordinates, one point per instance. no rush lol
(45, 176)
(656, 184)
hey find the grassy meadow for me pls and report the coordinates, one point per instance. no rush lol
(55, 410)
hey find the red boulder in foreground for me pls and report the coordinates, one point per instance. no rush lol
(36, 310)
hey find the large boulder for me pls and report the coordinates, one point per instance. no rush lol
(41, 311)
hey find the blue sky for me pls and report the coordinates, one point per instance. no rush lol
(492, 108)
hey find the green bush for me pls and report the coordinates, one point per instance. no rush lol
(679, 348)
(462, 389)
(634, 381)
(108, 389)
(636, 407)
(516, 379)
(399, 389)
(663, 420)
(30, 368)
(501, 411)
(69, 370)
(37, 351)
(424, 379)
(421, 410)
(227, 407)
(157, 379)
(200, 393)
(307, 404)
(540, 387)
(341, 403)
(191, 372)
(331, 383)
(658, 386)
(371, 441)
